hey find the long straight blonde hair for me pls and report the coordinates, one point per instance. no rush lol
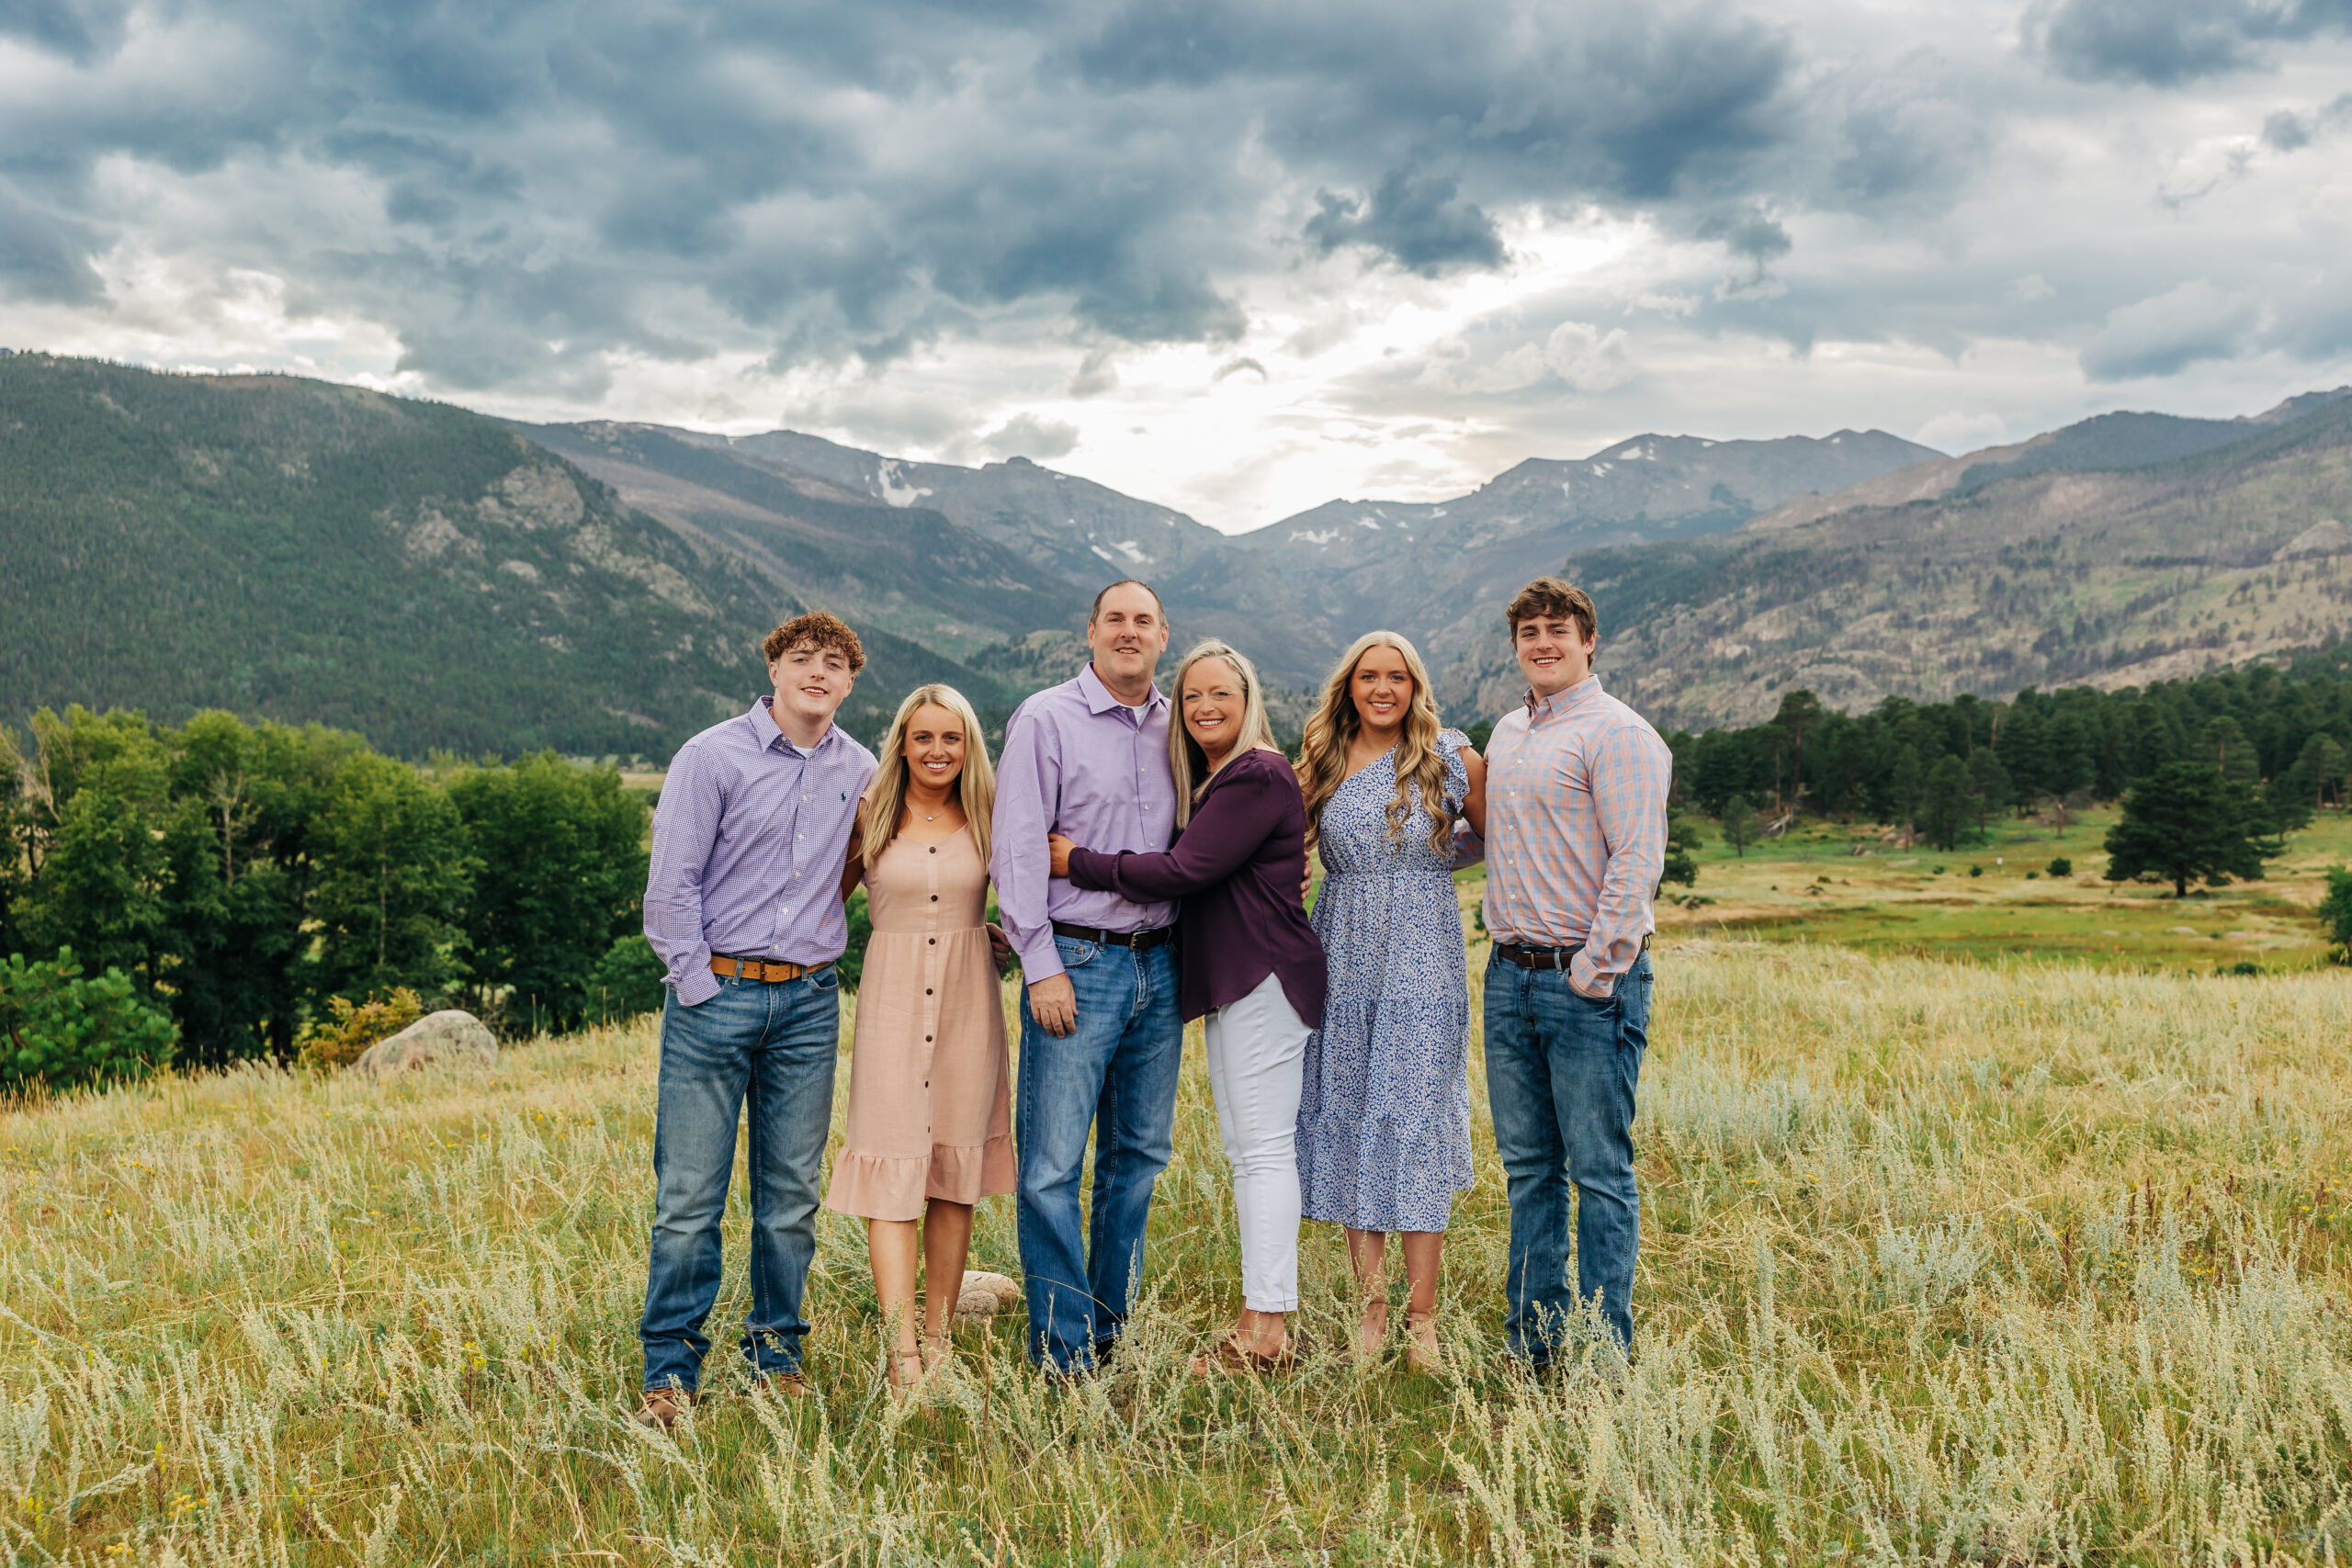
(1323, 752)
(885, 797)
(1185, 758)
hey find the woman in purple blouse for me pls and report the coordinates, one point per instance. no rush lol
(1252, 969)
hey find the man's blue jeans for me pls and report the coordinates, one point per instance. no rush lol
(1115, 1073)
(1561, 1071)
(774, 1047)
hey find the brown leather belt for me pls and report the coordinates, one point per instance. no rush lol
(1544, 957)
(760, 969)
(1138, 940)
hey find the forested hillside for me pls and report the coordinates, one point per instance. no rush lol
(295, 550)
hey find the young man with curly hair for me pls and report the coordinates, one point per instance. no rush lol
(744, 903)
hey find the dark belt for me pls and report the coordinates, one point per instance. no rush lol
(1544, 957)
(1136, 940)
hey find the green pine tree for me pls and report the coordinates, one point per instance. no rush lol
(2186, 822)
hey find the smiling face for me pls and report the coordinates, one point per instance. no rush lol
(1127, 636)
(1554, 652)
(935, 746)
(810, 682)
(1214, 703)
(1382, 689)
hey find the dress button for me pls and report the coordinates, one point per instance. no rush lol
(934, 898)
(935, 941)
(926, 1039)
(926, 990)
(934, 848)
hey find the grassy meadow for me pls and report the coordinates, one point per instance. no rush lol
(2012, 1262)
(1814, 887)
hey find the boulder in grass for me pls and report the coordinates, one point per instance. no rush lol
(449, 1038)
(985, 1294)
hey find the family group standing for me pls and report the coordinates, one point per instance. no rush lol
(1148, 851)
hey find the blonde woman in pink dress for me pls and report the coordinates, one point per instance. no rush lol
(930, 1086)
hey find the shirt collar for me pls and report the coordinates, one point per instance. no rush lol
(763, 725)
(1561, 702)
(1098, 695)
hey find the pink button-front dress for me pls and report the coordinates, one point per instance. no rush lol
(931, 1083)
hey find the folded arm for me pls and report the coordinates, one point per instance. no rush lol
(1233, 820)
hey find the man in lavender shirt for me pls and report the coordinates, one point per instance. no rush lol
(1100, 1034)
(744, 905)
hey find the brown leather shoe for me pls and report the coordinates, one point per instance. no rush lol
(664, 1408)
(784, 1385)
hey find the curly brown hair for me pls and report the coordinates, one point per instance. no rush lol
(821, 629)
(1555, 600)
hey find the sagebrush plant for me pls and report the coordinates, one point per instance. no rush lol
(349, 1029)
(60, 1029)
(1940, 1263)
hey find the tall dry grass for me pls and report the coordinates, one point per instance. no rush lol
(1940, 1264)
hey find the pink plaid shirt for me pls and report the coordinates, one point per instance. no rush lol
(1575, 830)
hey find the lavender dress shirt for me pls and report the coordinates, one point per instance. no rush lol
(1077, 761)
(748, 846)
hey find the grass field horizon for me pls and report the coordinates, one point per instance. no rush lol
(1942, 1261)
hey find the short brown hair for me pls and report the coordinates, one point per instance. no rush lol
(821, 629)
(1552, 599)
(1096, 614)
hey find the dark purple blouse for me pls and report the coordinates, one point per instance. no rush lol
(1237, 866)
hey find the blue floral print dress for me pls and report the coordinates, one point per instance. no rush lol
(1383, 1123)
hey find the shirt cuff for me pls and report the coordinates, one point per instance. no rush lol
(1040, 960)
(1587, 975)
(696, 986)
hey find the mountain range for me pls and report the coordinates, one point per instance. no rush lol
(442, 579)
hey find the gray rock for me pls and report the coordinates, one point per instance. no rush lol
(985, 1294)
(448, 1038)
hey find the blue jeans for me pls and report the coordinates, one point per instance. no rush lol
(1561, 1071)
(773, 1046)
(1115, 1073)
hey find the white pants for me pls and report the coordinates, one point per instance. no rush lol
(1257, 1050)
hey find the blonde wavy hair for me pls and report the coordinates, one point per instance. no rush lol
(1323, 752)
(885, 797)
(1185, 758)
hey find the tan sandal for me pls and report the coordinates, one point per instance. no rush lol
(895, 1376)
(1232, 1355)
(1423, 1353)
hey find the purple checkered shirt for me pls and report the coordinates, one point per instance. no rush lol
(1077, 761)
(748, 846)
(1575, 830)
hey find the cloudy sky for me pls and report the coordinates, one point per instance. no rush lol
(1236, 256)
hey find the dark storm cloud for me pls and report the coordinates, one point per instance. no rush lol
(43, 256)
(2163, 42)
(1416, 219)
(519, 187)
(62, 27)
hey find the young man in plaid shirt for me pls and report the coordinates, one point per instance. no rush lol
(1575, 838)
